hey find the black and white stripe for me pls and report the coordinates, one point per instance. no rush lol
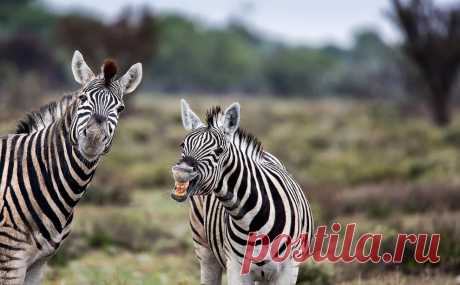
(239, 189)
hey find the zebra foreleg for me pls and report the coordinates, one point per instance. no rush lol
(287, 276)
(35, 272)
(234, 276)
(211, 271)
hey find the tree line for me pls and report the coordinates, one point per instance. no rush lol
(182, 54)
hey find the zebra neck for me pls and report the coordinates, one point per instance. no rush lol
(239, 190)
(69, 169)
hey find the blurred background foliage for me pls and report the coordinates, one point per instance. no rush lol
(348, 122)
(182, 54)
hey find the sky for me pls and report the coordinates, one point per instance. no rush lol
(294, 21)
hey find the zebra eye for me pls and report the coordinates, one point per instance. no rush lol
(83, 98)
(218, 151)
(120, 108)
(182, 145)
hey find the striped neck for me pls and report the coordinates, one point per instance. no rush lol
(238, 189)
(66, 165)
(65, 129)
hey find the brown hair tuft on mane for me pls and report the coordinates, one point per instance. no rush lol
(109, 69)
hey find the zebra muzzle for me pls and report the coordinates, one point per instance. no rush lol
(183, 178)
(181, 188)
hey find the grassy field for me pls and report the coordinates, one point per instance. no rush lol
(145, 242)
(374, 164)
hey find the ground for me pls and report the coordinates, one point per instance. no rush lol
(379, 165)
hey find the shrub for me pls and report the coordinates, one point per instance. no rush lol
(314, 274)
(382, 200)
(108, 189)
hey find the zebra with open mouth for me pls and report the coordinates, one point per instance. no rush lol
(236, 188)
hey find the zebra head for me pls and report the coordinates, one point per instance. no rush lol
(100, 102)
(204, 150)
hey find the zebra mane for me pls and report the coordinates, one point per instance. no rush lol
(212, 118)
(45, 116)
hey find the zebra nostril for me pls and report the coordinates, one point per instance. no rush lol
(99, 119)
(84, 132)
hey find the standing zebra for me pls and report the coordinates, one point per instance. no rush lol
(236, 188)
(48, 163)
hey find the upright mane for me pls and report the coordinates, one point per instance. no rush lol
(45, 116)
(212, 118)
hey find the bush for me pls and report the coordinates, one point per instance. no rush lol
(133, 233)
(74, 247)
(449, 248)
(382, 200)
(108, 189)
(314, 274)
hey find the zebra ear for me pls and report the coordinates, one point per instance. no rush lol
(190, 120)
(132, 78)
(81, 71)
(231, 120)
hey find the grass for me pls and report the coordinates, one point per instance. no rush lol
(124, 267)
(399, 279)
(146, 242)
(362, 162)
(158, 249)
(322, 142)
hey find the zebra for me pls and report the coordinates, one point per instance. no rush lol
(234, 188)
(47, 164)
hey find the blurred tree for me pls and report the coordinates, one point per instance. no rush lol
(25, 16)
(432, 42)
(130, 39)
(245, 32)
(29, 53)
(299, 70)
(369, 69)
(27, 66)
(182, 50)
(192, 57)
(183, 54)
(82, 32)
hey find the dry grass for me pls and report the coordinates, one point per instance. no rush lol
(361, 161)
(400, 279)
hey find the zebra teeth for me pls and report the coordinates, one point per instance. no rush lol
(181, 188)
